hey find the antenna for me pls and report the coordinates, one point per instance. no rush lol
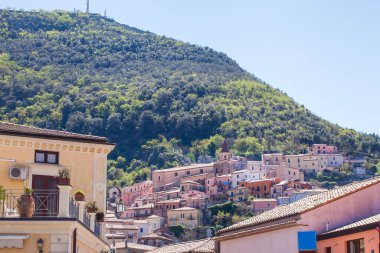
(88, 6)
(105, 13)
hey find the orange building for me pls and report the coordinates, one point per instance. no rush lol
(360, 236)
(259, 188)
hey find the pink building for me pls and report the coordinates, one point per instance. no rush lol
(131, 192)
(169, 178)
(283, 229)
(272, 158)
(218, 186)
(261, 205)
(161, 208)
(318, 149)
(284, 172)
(138, 212)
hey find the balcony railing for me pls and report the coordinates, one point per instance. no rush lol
(45, 203)
(48, 204)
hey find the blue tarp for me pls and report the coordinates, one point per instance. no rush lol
(307, 240)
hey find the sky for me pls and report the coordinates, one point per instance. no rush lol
(324, 54)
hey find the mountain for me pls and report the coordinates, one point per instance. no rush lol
(162, 101)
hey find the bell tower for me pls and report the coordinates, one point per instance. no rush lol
(225, 155)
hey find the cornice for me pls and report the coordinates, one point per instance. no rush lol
(54, 145)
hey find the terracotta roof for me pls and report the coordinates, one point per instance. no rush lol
(35, 132)
(368, 221)
(200, 246)
(155, 236)
(153, 217)
(141, 207)
(183, 209)
(263, 228)
(170, 201)
(303, 205)
(192, 166)
(135, 246)
(121, 226)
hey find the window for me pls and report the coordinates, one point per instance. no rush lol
(176, 174)
(46, 157)
(328, 250)
(141, 230)
(201, 171)
(289, 172)
(355, 246)
(159, 178)
(188, 172)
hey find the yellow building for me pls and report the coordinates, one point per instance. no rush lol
(32, 157)
(185, 216)
(238, 194)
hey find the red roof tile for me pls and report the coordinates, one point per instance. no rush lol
(35, 132)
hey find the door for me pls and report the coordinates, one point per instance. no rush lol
(45, 195)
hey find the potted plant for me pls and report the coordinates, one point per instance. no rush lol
(91, 207)
(2, 193)
(79, 195)
(25, 204)
(63, 176)
(99, 217)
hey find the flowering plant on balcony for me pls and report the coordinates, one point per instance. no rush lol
(25, 204)
(64, 175)
(79, 195)
(91, 207)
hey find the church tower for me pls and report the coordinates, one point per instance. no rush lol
(225, 155)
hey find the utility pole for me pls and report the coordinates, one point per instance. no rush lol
(88, 6)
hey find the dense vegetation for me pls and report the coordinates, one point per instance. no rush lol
(162, 101)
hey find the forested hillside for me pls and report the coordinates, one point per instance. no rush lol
(162, 101)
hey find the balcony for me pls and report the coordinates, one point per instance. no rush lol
(45, 202)
(48, 205)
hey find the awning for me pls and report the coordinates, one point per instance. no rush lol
(12, 241)
(7, 160)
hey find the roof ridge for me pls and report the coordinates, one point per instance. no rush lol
(51, 130)
(366, 221)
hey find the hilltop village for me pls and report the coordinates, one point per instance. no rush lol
(194, 201)
(219, 207)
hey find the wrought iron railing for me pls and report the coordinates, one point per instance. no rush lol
(97, 228)
(45, 203)
(74, 209)
(86, 219)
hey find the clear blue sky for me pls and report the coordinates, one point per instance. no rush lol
(325, 54)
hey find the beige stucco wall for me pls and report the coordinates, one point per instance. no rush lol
(86, 161)
(30, 245)
(57, 236)
(174, 218)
